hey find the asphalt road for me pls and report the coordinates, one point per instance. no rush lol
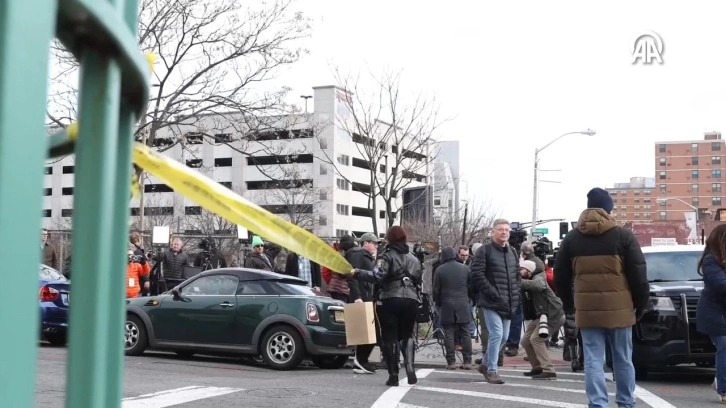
(161, 380)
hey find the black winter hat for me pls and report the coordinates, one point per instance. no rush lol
(599, 198)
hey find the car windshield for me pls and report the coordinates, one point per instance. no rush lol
(673, 266)
(287, 288)
(49, 274)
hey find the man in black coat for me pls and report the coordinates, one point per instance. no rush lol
(452, 281)
(496, 279)
(363, 257)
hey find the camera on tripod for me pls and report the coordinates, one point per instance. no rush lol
(420, 251)
(541, 245)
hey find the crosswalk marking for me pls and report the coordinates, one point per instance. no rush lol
(538, 387)
(178, 396)
(518, 377)
(510, 398)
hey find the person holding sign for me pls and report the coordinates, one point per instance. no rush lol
(398, 276)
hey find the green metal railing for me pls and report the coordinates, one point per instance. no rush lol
(113, 92)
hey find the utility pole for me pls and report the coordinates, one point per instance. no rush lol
(306, 97)
(142, 188)
(463, 227)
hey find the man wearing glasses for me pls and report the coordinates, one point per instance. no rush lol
(496, 279)
(257, 259)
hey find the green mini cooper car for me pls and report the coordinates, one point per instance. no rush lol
(241, 312)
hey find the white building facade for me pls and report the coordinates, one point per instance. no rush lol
(306, 162)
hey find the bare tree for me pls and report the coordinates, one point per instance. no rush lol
(217, 229)
(297, 200)
(157, 213)
(451, 230)
(394, 136)
(212, 56)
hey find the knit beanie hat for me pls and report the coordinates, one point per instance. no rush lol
(599, 198)
(528, 265)
(256, 240)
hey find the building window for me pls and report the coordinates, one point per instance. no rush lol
(694, 147)
(192, 210)
(662, 203)
(694, 188)
(661, 148)
(67, 212)
(716, 201)
(344, 159)
(662, 175)
(716, 187)
(662, 188)
(715, 146)
(227, 184)
(342, 184)
(194, 138)
(157, 188)
(322, 220)
(223, 162)
(437, 201)
(47, 213)
(663, 216)
(694, 160)
(615, 200)
(194, 163)
(342, 209)
(323, 169)
(323, 145)
(716, 173)
(715, 159)
(68, 169)
(48, 170)
(646, 192)
(382, 215)
(662, 161)
(66, 191)
(323, 195)
(339, 233)
(154, 211)
(694, 174)
(694, 201)
(646, 200)
(48, 191)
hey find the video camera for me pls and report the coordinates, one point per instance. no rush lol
(419, 251)
(518, 235)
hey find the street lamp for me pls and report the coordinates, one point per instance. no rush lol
(535, 195)
(306, 97)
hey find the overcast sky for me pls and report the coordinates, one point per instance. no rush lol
(514, 75)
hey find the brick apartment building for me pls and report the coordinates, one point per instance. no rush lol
(688, 175)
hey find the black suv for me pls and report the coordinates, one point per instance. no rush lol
(667, 336)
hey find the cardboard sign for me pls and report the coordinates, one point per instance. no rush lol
(360, 327)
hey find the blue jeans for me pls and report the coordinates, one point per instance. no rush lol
(720, 343)
(498, 329)
(593, 347)
(515, 330)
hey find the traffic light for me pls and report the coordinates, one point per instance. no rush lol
(564, 228)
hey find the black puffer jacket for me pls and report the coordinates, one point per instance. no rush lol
(173, 264)
(495, 274)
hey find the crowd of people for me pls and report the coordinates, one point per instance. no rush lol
(596, 286)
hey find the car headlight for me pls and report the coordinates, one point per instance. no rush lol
(662, 304)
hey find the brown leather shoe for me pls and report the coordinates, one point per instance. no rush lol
(451, 367)
(465, 367)
(492, 377)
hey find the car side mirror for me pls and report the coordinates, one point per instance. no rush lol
(175, 294)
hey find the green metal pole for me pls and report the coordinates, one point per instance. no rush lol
(95, 360)
(26, 28)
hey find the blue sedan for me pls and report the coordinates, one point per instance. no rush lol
(54, 296)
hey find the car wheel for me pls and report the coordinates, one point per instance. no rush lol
(330, 362)
(282, 348)
(57, 339)
(185, 354)
(641, 373)
(135, 337)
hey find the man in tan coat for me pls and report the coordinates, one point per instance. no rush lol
(607, 268)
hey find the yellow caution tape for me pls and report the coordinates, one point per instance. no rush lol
(222, 201)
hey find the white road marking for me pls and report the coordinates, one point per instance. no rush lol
(646, 396)
(534, 401)
(176, 396)
(509, 376)
(393, 395)
(538, 387)
(402, 405)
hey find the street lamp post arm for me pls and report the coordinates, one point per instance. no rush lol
(554, 140)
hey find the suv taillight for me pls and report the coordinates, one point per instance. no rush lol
(312, 313)
(48, 294)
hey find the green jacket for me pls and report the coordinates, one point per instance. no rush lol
(541, 299)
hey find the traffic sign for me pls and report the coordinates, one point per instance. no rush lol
(542, 230)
